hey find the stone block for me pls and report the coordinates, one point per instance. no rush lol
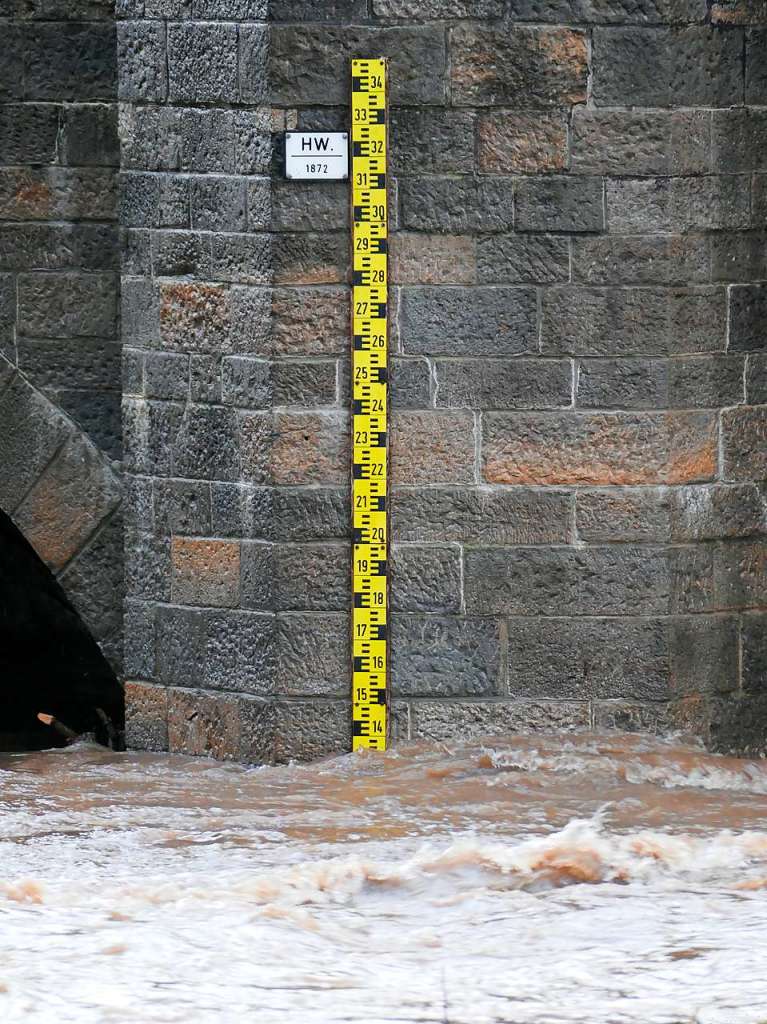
(246, 382)
(438, 10)
(457, 205)
(748, 312)
(304, 62)
(310, 448)
(89, 135)
(194, 317)
(410, 383)
(599, 448)
(692, 580)
(149, 433)
(141, 61)
(240, 510)
(146, 717)
(300, 206)
(633, 716)
(426, 579)
(95, 583)
(205, 572)
(623, 384)
(715, 512)
(503, 383)
(754, 658)
(53, 365)
(310, 321)
(523, 259)
(147, 567)
(481, 514)
(182, 507)
(433, 259)
(241, 259)
(310, 729)
(469, 321)
(312, 577)
(518, 142)
(440, 656)
(640, 141)
(633, 321)
(150, 138)
(306, 258)
(259, 204)
(744, 443)
(432, 447)
(310, 514)
(181, 254)
(68, 502)
(706, 381)
(641, 259)
(139, 640)
(530, 68)
(57, 193)
(663, 67)
(97, 412)
(704, 655)
(257, 583)
(588, 659)
(308, 10)
(204, 725)
(67, 305)
(34, 432)
(739, 136)
(313, 654)
(756, 379)
(132, 375)
(218, 204)
(205, 447)
(756, 66)
(304, 384)
(738, 257)
(256, 435)
(166, 376)
(635, 515)
(70, 61)
(28, 133)
(712, 203)
(573, 204)
(205, 379)
(429, 141)
(202, 62)
(253, 62)
(443, 721)
(154, 200)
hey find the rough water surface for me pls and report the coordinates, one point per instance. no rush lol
(540, 880)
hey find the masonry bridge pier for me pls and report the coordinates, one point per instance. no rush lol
(578, 378)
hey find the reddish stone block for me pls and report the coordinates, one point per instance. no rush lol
(512, 142)
(433, 259)
(205, 572)
(310, 448)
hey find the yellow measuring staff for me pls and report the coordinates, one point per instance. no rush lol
(370, 391)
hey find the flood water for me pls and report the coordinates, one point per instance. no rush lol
(590, 879)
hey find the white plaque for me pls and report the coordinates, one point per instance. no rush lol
(316, 156)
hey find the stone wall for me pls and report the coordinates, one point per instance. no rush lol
(578, 415)
(59, 286)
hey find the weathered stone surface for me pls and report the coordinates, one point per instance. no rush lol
(633, 321)
(714, 512)
(692, 579)
(598, 448)
(482, 514)
(182, 507)
(503, 384)
(306, 258)
(253, 62)
(147, 566)
(433, 259)
(426, 579)
(457, 205)
(514, 142)
(146, 717)
(256, 434)
(300, 206)
(310, 514)
(572, 204)
(748, 310)
(633, 716)
(756, 379)
(641, 259)
(246, 382)
(309, 729)
(640, 141)
(572, 659)
(202, 62)
(531, 68)
(141, 61)
(28, 132)
(660, 67)
(312, 577)
(205, 445)
(558, 581)
(432, 447)
(57, 193)
(53, 365)
(469, 720)
(204, 725)
(438, 9)
(205, 572)
(432, 141)
(744, 443)
(754, 641)
(310, 448)
(738, 257)
(637, 515)
(305, 384)
(58, 247)
(712, 203)
(704, 655)
(154, 200)
(219, 204)
(310, 321)
(756, 66)
(89, 135)
(139, 640)
(69, 61)
(166, 375)
(738, 139)
(740, 572)
(523, 259)
(240, 510)
(461, 321)
(35, 432)
(313, 655)
(446, 657)
(623, 384)
(304, 62)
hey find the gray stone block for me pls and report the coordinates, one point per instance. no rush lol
(154, 200)
(253, 61)
(259, 203)
(442, 721)
(313, 654)
(739, 136)
(712, 203)
(589, 659)
(573, 204)
(304, 384)
(147, 567)
(58, 247)
(410, 383)
(181, 254)
(246, 382)
(756, 379)
(503, 384)
(748, 315)
(641, 141)
(150, 137)
(445, 657)
(141, 61)
(310, 514)
(692, 580)
(205, 379)
(743, 443)
(457, 205)
(205, 446)
(754, 641)
(469, 321)
(438, 10)
(704, 655)
(432, 141)
(302, 206)
(149, 433)
(70, 61)
(714, 512)
(52, 365)
(623, 384)
(482, 514)
(28, 132)
(182, 507)
(166, 376)
(740, 574)
(426, 579)
(257, 581)
(630, 514)
(738, 257)
(218, 204)
(312, 577)
(241, 259)
(67, 305)
(89, 135)
(240, 510)
(139, 623)
(641, 259)
(202, 63)
(515, 259)
(756, 65)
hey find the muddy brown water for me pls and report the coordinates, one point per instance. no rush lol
(597, 879)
